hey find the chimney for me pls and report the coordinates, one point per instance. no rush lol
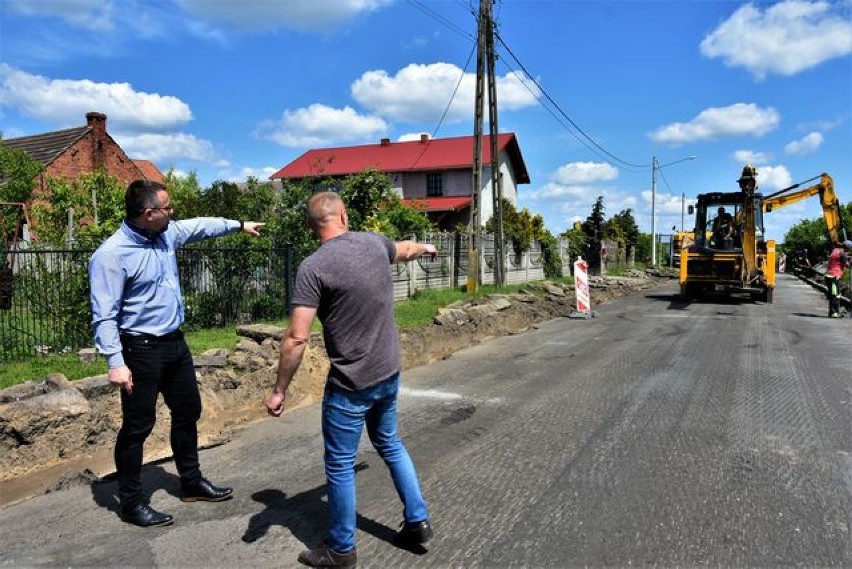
(386, 142)
(424, 138)
(97, 122)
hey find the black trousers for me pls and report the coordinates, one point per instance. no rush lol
(831, 290)
(159, 365)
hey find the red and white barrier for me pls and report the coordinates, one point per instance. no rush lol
(581, 286)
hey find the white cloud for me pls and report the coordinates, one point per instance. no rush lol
(554, 191)
(298, 14)
(95, 15)
(585, 173)
(666, 203)
(772, 178)
(423, 92)
(409, 136)
(739, 119)
(166, 148)
(59, 101)
(12, 132)
(751, 157)
(805, 145)
(319, 125)
(783, 39)
(261, 174)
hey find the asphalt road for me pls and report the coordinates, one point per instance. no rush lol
(714, 433)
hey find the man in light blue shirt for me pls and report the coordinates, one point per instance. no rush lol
(137, 311)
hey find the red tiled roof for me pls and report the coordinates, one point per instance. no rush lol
(445, 203)
(44, 148)
(149, 170)
(409, 156)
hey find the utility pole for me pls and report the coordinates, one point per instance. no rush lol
(653, 211)
(496, 178)
(475, 228)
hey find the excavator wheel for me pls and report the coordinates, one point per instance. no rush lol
(764, 296)
(689, 292)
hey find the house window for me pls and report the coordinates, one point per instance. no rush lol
(434, 185)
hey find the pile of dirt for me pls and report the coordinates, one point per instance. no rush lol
(55, 431)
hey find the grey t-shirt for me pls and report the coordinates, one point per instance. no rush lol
(348, 280)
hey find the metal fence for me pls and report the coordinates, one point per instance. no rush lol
(44, 294)
(451, 266)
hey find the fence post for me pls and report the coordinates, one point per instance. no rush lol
(451, 258)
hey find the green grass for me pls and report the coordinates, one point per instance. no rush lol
(420, 310)
(13, 373)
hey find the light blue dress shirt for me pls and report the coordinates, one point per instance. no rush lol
(134, 281)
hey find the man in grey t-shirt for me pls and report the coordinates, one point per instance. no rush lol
(347, 284)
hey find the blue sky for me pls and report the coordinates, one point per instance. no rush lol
(593, 89)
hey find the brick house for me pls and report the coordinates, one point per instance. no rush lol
(82, 150)
(433, 175)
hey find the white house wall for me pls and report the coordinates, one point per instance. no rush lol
(412, 185)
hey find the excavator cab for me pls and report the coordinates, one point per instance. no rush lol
(720, 219)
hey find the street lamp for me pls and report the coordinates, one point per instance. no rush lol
(654, 167)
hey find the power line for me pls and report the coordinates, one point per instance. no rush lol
(559, 115)
(447, 108)
(563, 114)
(441, 19)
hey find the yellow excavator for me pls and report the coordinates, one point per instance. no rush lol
(729, 253)
(832, 211)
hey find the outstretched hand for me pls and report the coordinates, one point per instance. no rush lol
(429, 249)
(252, 227)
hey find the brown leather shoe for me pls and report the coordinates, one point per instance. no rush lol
(324, 556)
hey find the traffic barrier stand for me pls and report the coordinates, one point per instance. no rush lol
(581, 290)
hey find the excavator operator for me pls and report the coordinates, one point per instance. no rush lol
(723, 227)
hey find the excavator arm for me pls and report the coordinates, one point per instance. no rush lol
(831, 209)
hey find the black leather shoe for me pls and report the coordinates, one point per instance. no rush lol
(144, 516)
(324, 556)
(203, 491)
(416, 533)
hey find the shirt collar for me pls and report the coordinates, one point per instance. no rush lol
(138, 234)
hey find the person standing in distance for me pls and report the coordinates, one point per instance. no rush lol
(837, 261)
(137, 311)
(347, 283)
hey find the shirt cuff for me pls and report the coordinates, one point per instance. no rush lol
(115, 360)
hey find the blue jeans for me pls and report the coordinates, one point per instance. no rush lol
(344, 414)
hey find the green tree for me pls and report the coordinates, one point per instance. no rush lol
(595, 225)
(812, 234)
(96, 203)
(643, 247)
(577, 241)
(185, 193)
(622, 228)
(17, 174)
(366, 194)
(522, 228)
(373, 205)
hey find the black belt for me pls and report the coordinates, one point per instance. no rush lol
(171, 336)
